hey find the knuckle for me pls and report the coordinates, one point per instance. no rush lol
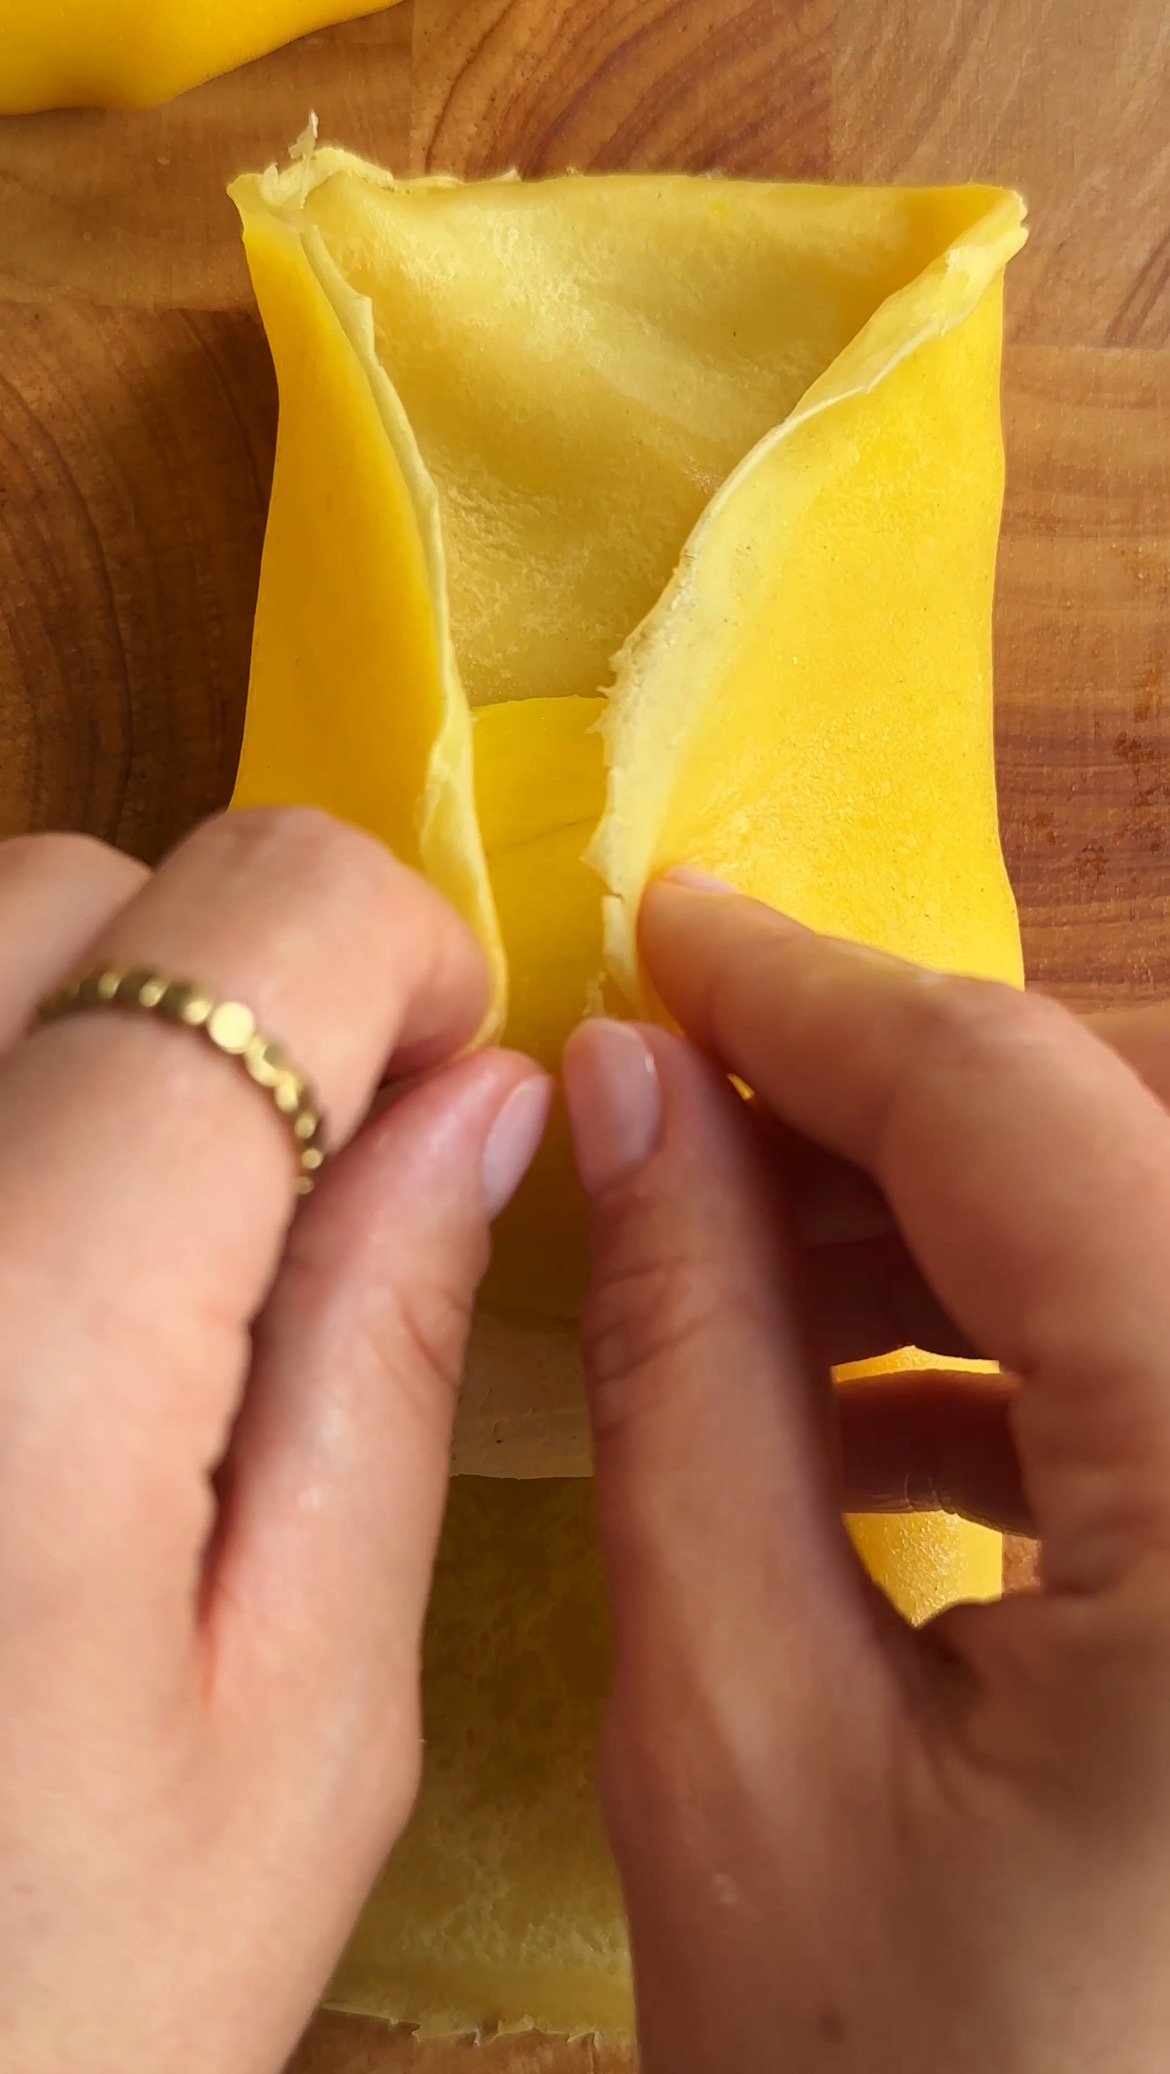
(640, 1320)
(407, 1331)
(962, 1032)
(753, 963)
(982, 1019)
(307, 844)
(423, 1338)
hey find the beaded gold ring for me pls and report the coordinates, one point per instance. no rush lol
(227, 1025)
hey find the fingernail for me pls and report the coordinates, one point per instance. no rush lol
(697, 880)
(614, 1099)
(513, 1142)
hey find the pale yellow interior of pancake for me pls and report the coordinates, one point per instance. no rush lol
(583, 361)
(745, 439)
(501, 1904)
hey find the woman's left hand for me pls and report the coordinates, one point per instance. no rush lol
(223, 1435)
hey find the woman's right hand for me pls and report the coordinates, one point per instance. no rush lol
(847, 1845)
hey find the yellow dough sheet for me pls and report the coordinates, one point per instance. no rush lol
(618, 521)
(501, 1905)
(621, 520)
(136, 53)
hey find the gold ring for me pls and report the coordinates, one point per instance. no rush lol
(228, 1025)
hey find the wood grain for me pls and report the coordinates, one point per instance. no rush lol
(1083, 668)
(135, 458)
(1067, 102)
(137, 415)
(131, 209)
(693, 85)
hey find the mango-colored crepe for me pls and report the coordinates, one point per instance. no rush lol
(136, 53)
(618, 522)
(501, 1903)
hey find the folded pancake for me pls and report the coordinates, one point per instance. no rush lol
(501, 1904)
(620, 521)
(137, 53)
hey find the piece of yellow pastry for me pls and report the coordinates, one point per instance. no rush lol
(501, 1904)
(136, 53)
(617, 522)
(622, 520)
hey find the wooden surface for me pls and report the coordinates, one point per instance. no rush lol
(137, 406)
(137, 414)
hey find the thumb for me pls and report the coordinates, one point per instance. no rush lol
(710, 1411)
(336, 1480)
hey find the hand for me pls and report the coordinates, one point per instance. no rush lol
(223, 1435)
(846, 1845)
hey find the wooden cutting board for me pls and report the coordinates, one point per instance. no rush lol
(137, 414)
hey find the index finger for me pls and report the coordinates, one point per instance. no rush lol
(1027, 1166)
